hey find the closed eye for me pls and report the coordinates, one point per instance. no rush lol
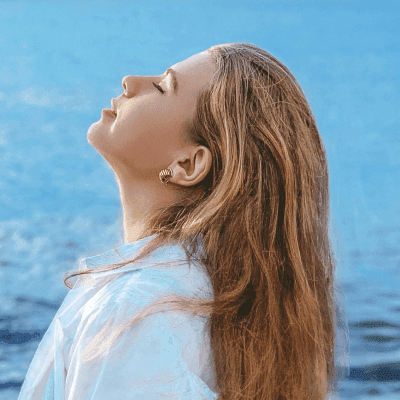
(158, 87)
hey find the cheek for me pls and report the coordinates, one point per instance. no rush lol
(146, 141)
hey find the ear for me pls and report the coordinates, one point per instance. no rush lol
(191, 167)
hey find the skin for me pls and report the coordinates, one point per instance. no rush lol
(148, 135)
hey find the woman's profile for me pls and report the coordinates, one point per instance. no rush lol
(224, 287)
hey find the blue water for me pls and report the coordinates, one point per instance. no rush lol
(61, 63)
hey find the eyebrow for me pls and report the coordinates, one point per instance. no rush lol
(174, 80)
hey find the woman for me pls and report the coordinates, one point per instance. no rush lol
(225, 285)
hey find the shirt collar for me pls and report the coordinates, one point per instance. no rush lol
(163, 254)
(118, 254)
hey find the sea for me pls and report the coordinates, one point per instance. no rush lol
(61, 62)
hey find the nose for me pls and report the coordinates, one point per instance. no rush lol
(131, 84)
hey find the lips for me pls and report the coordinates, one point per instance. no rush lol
(109, 113)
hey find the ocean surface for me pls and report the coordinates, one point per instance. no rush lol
(62, 62)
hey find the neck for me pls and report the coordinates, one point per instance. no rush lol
(140, 199)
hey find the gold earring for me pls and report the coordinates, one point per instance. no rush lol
(164, 175)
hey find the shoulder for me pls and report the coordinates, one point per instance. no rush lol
(165, 271)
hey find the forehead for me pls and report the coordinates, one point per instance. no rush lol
(196, 71)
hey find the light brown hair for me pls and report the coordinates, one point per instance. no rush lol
(262, 215)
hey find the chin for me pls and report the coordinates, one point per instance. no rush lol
(97, 137)
(93, 132)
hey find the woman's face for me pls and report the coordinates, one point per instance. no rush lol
(146, 134)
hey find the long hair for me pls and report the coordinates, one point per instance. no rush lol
(262, 215)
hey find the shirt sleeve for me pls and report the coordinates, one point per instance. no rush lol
(157, 358)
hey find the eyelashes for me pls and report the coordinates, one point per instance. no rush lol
(158, 87)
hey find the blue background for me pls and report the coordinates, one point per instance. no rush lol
(62, 62)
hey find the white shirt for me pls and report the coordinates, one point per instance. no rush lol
(164, 356)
